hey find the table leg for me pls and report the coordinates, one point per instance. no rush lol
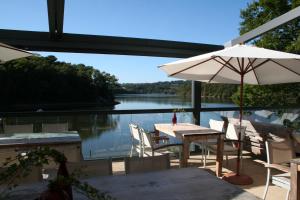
(219, 155)
(185, 152)
(295, 181)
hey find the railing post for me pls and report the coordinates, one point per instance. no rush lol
(295, 180)
(196, 101)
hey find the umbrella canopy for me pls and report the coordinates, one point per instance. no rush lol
(238, 65)
(8, 53)
(257, 65)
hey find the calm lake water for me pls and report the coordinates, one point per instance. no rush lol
(109, 136)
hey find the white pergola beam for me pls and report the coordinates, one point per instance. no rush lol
(274, 23)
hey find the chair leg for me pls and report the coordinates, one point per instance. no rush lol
(287, 195)
(267, 184)
(241, 161)
(180, 153)
(203, 153)
(131, 150)
(226, 160)
(204, 163)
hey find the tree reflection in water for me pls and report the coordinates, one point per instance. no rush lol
(109, 136)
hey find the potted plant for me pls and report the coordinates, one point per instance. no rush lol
(58, 189)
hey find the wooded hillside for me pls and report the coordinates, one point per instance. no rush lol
(42, 80)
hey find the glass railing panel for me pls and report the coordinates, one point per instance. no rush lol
(286, 117)
(108, 135)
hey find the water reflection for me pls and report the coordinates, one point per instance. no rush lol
(109, 135)
(151, 102)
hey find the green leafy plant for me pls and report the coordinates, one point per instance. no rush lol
(21, 166)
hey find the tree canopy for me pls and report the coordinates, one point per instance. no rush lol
(285, 38)
(38, 80)
(180, 88)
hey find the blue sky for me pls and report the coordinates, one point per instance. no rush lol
(213, 22)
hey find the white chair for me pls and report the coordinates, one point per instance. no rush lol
(278, 155)
(153, 147)
(24, 128)
(216, 125)
(147, 144)
(136, 140)
(213, 124)
(55, 127)
(230, 141)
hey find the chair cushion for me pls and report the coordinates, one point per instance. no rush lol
(282, 180)
(279, 167)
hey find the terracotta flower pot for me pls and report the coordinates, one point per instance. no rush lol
(51, 194)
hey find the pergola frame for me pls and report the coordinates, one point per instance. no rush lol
(57, 41)
(79, 43)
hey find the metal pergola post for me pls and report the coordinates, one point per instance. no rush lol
(196, 101)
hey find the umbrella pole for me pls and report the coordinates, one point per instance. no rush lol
(240, 129)
(238, 178)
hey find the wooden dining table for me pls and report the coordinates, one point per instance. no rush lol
(189, 133)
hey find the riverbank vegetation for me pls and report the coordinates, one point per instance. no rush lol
(180, 88)
(43, 80)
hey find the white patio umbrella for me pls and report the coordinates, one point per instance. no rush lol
(8, 53)
(239, 64)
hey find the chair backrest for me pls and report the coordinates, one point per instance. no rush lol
(135, 133)
(55, 127)
(24, 128)
(216, 125)
(232, 132)
(146, 138)
(279, 152)
(91, 168)
(250, 128)
(35, 175)
(146, 164)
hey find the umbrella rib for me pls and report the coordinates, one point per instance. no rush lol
(254, 72)
(239, 63)
(260, 64)
(229, 66)
(250, 63)
(285, 67)
(13, 48)
(191, 66)
(224, 65)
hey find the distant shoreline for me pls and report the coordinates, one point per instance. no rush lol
(56, 106)
(146, 95)
(164, 95)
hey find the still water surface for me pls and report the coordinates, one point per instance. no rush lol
(115, 141)
(109, 136)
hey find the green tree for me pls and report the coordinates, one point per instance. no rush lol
(40, 80)
(285, 38)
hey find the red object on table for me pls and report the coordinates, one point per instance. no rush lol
(174, 119)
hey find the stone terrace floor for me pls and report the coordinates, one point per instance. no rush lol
(250, 166)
